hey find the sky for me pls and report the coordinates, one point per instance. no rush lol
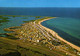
(39, 3)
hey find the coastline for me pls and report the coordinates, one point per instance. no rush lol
(56, 35)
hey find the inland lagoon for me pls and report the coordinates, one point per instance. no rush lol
(14, 20)
(7, 21)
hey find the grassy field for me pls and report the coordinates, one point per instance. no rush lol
(10, 47)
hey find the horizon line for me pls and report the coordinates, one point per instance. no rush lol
(41, 7)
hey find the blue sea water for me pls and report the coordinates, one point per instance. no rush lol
(67, 23)
(42, 11)
(68, 28)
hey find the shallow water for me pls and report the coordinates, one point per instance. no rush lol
(14, 21)
(68, 28)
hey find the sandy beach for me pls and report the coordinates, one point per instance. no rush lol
(56, 34)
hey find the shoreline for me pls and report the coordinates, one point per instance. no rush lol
(56, 35)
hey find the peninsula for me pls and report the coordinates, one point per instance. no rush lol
(35, 39)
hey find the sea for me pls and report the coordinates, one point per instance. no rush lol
(66, 23)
